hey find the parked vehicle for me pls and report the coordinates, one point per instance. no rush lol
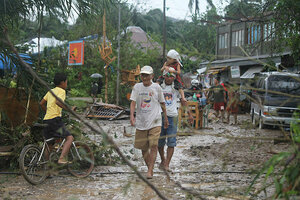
(275, 99)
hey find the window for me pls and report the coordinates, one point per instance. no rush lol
(266, 38)
(220, 41)
(223, 38)
(261, 84)
(285, 84)
(225, 41)
(241, 37)
(269, 30)
(237, 38)
(253, 34)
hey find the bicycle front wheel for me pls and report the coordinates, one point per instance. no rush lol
(81, 159)
(33, 165)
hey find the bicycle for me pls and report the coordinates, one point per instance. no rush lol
(34, 166)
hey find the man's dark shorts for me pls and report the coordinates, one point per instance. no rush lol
(56, 128)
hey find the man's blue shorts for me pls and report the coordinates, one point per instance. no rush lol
(168, 134)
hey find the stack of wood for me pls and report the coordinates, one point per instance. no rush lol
(196, 113)
(131, 77)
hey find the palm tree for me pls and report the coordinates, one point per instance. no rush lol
(15, 13)
(191, 4)
(197, 8)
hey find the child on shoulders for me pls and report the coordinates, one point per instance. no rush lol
(173, 65)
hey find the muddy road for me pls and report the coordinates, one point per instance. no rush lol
(211, 161)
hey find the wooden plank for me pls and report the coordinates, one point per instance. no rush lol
(197, 115)
(106, 105)
(6, 148)
(6, 153)
(101, 116)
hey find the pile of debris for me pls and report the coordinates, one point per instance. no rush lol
(107, 111)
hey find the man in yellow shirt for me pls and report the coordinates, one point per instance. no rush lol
(53, 118)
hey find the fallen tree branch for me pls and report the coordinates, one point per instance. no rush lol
(100, 131)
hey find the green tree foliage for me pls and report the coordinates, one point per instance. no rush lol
(23, 20)
(194, 38)
(238, 9)
(182, 35)
(14, 12)
(283, 169)
(151, 22)
(287, 15)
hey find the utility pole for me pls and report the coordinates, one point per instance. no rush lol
(118, 69)
(164, 30)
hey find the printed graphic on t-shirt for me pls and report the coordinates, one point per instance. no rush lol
(146, 102)
(146, 99)
(168, 98)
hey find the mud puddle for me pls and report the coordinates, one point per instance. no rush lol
(217, 167)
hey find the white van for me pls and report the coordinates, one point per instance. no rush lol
(275, 98)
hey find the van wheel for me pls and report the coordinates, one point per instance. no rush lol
(261, 125)
(253, 119)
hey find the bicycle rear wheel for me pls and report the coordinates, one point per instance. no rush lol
(33, 165)
(81, 159)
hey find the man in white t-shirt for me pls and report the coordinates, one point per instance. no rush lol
(149, 100)
(168, 135)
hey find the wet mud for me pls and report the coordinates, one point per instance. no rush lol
(213, 162)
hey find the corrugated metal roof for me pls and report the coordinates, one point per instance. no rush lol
(250, 72)
(252, 60)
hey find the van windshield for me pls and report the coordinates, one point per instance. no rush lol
(285, 84)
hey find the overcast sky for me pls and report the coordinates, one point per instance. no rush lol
(175, 8)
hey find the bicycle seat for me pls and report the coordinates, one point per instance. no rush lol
(40, 125)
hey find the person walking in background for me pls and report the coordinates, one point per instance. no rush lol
(169, 134)
(233, 103)
(219, 98)
(225, 85)
(96, 88)
(147, 99)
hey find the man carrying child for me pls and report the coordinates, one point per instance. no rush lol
(168, 135)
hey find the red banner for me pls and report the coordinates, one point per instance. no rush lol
(76, 53)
